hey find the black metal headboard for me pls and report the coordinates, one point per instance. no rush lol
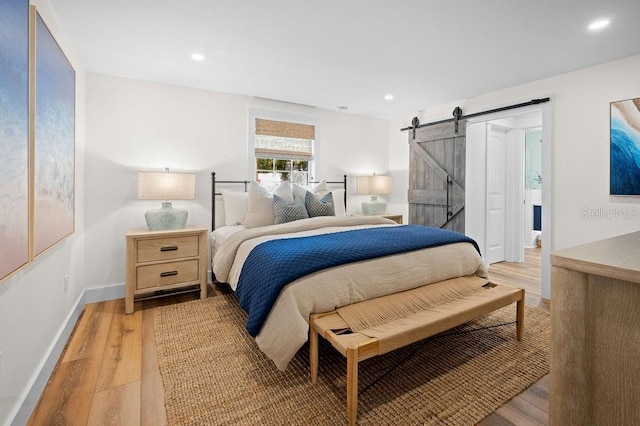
(246, 183)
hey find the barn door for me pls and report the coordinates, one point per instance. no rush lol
(436, 176)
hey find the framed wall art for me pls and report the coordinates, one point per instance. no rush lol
(14, 135)
(53, 143)
(624, 174)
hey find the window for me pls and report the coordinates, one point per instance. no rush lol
(283, 146)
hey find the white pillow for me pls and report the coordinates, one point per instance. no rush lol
(235, 207)
(284, 191)
(298, 191)
(260, 205)
(321, 187)
(338, 202)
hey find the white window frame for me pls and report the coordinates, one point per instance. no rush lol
(287, 116)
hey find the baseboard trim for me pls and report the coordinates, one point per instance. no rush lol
(100, 294)
(40, 378)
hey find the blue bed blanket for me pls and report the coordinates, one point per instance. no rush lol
(273, 264)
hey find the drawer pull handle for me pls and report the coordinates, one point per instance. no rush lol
(168, 274)
(169, 248)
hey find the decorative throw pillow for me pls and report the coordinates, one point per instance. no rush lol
(235, 207)
(284, 212)
(338, 202)
(322, 189)
(298, 190)
(338, 197)
(260, 204)
(319, 207)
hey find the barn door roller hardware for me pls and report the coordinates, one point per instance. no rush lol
(457, 115)
(415, 123)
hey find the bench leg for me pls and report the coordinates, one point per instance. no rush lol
(520, 317)
(352, 385)
(313, 353)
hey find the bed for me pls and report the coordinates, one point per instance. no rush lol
(283, 327)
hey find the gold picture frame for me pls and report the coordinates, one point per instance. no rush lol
(14, 136)
(52, 140)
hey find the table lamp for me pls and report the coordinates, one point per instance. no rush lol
(166, 186)
(374, 185)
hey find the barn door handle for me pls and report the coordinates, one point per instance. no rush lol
(449, 184)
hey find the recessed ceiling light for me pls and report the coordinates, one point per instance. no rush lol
(599, 24)
(197, 57)
(388, 97)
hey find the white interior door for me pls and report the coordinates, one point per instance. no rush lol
(496, 194)
(514, 222)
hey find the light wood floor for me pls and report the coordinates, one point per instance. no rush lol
(532, 406)
(108, 373)
(524, 275)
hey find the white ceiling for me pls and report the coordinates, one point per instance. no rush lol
(331, 53)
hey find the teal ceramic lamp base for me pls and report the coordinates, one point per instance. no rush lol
(374, 206)
(166, 218)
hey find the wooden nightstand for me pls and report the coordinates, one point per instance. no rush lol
(165, 260)
(397, 218)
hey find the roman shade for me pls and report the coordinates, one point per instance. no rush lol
(280, 139)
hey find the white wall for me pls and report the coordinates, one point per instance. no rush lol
(579, 174)
(33, 304)
(135, 125)
(398, 152)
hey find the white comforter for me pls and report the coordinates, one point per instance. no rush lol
(287, 326)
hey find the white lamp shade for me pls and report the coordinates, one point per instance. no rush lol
(166, 186)
(374, 185)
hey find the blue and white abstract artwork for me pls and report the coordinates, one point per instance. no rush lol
(14, 135)
(625, 148)
(54, 142)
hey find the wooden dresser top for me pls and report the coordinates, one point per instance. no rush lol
(617, 257)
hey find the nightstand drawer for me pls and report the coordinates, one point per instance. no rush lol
(167, 248)
(168, 273)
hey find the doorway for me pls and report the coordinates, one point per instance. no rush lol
(496, 167)
(533, 187)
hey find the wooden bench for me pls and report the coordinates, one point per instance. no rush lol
(357, 347)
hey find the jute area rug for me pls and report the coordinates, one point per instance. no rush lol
(214, 374)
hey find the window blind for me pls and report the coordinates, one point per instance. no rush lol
(284, 129)
(279, 139)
